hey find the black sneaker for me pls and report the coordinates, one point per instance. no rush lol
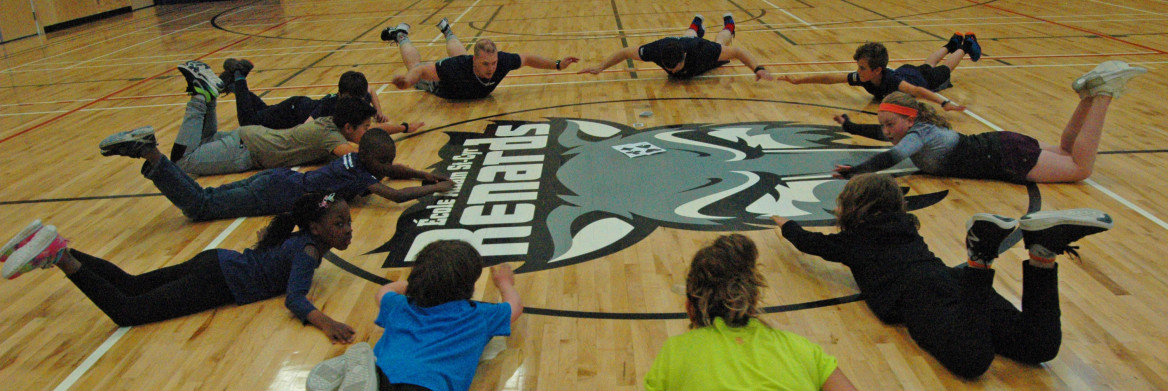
(984, 234)
(972, 48)
(231, 65)
(201, 79)
(955, 42)
(131, 143)
(1048, 234)
(443, 25)
(393, 34)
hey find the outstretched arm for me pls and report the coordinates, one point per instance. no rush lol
(621, 55)
(299, 282)
(403, 172)
(924, 93)
(760, 73)
(534, 61)
(379, 117)
(410, 193)
(831, 78)
(505, 280)
(421, 72)
(404, 127)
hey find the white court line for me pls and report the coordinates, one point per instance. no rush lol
(1125, 7)
(1088, 181)
(440, 35)
(121, 331)
(791, 15)
(383, 88)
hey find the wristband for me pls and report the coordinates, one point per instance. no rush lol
(557, 65)
(943, 104)
(759, 68)
(407, 125)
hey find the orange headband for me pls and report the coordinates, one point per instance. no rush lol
(898, 109)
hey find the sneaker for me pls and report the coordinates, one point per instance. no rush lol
(41, 252)
(20, 239)
(984, 234)
(131, 143)
(696, 25)
(326, 376)
(728, 22)
(201, 79)
(971, 47)
(231, 65)
(443, 26)
(1047, 234)
(393, 34)
(360, 370)
(957, 41)
(1109, 78)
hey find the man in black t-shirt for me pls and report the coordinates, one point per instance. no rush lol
(461, 76)
(689, 55)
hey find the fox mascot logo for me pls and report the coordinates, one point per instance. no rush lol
(565, 191)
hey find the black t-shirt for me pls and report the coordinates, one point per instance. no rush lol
(327, 105)
(890, 80)
(700, 55)
(457, 80)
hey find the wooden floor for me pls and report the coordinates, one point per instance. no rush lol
(62, 93)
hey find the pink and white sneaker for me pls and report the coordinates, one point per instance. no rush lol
(20, 239)
(41, 252)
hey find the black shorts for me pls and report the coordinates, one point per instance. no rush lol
(700, 60)
(1005, 156)
(935, 76)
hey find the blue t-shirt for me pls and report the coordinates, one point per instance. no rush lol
(258, 275)
(890, 80)
(457, 80)
(345, 176)
(436, 347)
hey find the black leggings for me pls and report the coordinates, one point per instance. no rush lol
(383, 384)
(252, 110)
(966, 328)
(190, 287)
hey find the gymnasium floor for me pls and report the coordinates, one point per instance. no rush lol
(609, 237)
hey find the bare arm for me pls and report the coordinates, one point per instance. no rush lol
(746, 58)
(344, 149)
(505, 280)
(831, 78)
(403, 172)
(421, 72)
(924, 94)
(398, 287)
(534, 61)
(838, 382)
(337, 332)
(373, 100)
(615, 58)
(399, 128)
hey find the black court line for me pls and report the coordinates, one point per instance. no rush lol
(73, 199)
(1132, 151)
(373, 278)
(479, 33)
(762, 12)
(620, 28)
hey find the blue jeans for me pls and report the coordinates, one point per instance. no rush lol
(247, 197)
(209, 151)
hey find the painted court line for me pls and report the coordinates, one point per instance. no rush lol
(456, 20)
(121, 331)
(791, 15)
(1088, 181)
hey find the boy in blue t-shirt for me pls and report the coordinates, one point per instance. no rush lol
(920, 81)
(274, 191)
(434, 334)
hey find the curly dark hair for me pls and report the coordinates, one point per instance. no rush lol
(874, 52)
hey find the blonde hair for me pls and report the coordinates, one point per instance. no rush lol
(925, 113)
(723, 282)
(867, 196)
(485, 46)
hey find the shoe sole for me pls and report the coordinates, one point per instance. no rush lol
(360, 363)
(144, 134)
(194, 70)
(20, 237)
(29, 252)
(1002, 222)
(1081, 217)
(326, 376)
(1105, 72)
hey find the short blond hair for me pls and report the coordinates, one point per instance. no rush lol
(485, 46)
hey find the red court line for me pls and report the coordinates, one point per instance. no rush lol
(108, 96)
(1101, 35)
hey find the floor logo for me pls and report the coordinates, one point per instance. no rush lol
(565, 191)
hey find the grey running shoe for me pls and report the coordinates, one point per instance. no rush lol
(132, 143)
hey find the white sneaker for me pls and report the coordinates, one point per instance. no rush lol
(20, 239)
(360, 368)
(1109, 78)
(327, 375)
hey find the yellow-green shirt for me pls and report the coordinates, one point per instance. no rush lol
(753, 357)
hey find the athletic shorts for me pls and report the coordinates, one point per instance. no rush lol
(935, 76)
(1005, 156)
